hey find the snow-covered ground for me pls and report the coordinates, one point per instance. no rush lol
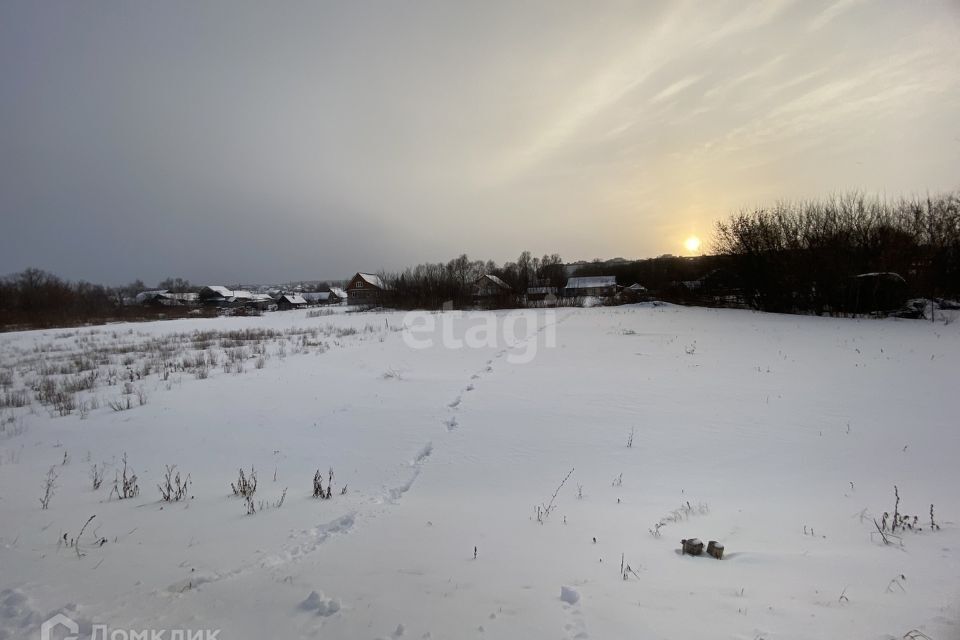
(780, 436)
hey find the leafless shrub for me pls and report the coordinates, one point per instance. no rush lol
(888, 524)
(261, 362)
(630, 438)
(96, 475)
(18, 398)
(202, 373)
(141, 394)
(237, 354)
(64, 403)
(318, 490)
(263, 505)
(246, 485)
(90, 404)
(683, 512)
(76, 541)
(80, 382)
(49, 488)
(121, 404)
(543, 511)
(6, 379)
(896, 509)
(45, 389)
(125, 484)
(173, 488)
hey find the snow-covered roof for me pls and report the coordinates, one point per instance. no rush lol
(636, 286)
(147, 295)
(495, 280)
(539, 290)
(221, 291)
(589, 282)
(317, 296)
(243, 295)
(340, 293)
(372, 279)
(293, 298)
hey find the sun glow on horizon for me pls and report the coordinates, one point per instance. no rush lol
(692, 244)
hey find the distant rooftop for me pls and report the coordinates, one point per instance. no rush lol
(589, 282)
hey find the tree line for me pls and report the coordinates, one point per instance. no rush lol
(795, 257)
(433, 285)
(36, 298)
(839, 255)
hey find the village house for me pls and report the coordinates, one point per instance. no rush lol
(319, 297)
(490, 286)
(215, 295)
(539, 290)
(289, 301)
(489, 290)
(219, 296)
(599, 286)
(156, 297)
(365, 289)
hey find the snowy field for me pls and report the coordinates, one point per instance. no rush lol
(780, 436)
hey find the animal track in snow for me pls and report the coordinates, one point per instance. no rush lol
(397, 492)
(317, 602)
(309, 540)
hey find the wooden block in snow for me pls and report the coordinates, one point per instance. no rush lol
(692, 547)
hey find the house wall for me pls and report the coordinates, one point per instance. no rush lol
(359, 291)
(589, 291)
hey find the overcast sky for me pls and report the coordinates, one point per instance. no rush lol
(228, 142)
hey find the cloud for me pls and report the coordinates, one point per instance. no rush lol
(675, 88)
(831, 13)
(322, 139)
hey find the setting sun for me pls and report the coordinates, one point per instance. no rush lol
(692, 244)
